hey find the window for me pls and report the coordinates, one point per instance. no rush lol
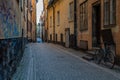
(83, 16)
(58, 17)
(17, 1)
(20, 4)
(50, 21)
(109, 12)
(71, 11)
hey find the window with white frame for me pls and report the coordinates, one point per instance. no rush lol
(71, 11)
(58, 17)
(83, 16)
(109, 12)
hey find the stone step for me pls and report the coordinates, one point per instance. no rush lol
(88, 58)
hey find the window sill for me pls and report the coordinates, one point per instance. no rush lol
(71, 21)
(58, 25)
(83, 30)
(109, 26)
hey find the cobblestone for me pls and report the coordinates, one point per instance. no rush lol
(42, 61)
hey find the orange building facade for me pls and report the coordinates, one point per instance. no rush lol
(33, 2)
(93, 16)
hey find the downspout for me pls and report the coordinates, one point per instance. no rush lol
(47, 28)
(53, 23)
(75, 23)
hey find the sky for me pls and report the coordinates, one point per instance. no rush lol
(39, 9)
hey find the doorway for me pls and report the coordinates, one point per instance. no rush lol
(56, 38)
(67, 37)
(50, 37)
(61, 35)
(96, 24)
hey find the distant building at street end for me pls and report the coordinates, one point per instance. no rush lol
(42, 25)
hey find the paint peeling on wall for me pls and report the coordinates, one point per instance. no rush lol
(12, 42)
(9, 19)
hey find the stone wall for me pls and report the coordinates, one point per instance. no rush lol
(11, 38)
(9, 19)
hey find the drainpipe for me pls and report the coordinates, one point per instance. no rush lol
(75, 23)
(47, 27)
(53, 23)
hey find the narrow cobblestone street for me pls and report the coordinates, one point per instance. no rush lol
(43, 61)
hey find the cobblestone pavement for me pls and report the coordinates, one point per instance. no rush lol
(42, 61)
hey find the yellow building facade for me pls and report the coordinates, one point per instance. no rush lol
(50, 24)
(92, 17)
(33, 20)
(45, 2)
(60, 21)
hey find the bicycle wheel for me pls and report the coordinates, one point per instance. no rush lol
(110, 59)
(98, 56)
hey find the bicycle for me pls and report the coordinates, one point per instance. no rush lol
(106, 55)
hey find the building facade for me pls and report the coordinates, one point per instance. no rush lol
(15, 29)
(33, 20)
(29, 20)
(60, 18)
(11, 38)
(81, 22)
(42, 26)
(93, 16)
(45, 2)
